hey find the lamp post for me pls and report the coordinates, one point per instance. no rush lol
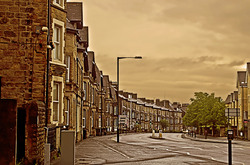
(230, 136)
(118, 107)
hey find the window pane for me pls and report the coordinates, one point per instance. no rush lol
(55, 33)
(55, 111)
(57, 42)
(55, 92)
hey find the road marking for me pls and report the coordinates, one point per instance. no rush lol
(114, 150)
(193, 148)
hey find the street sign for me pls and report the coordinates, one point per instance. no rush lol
(232, 112)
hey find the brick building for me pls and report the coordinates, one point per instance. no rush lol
(47, 69)
(23, 53)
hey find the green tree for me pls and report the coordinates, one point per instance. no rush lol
(164, 124)
(205, 110)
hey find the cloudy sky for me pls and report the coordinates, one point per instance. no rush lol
(186, 45)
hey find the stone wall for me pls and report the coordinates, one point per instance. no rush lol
(22, 51)
(35, 133)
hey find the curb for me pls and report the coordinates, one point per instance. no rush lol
(206, 140)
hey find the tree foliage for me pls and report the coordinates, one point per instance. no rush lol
(164, 123)
(206, 110)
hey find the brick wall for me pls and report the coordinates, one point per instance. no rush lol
(23, 65)
(35, 122)
(22, 51)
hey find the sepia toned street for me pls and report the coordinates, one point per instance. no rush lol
(173, 149)
(124, 82)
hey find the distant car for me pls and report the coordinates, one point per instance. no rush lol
(185, 131)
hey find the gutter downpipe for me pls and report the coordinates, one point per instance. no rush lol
(76, 95)
(47, 74)
(0, 87)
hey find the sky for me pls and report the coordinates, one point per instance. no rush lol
(186, 46)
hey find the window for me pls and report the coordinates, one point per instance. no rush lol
(57, 42)
(59, 3)
(67, 111)
(100, 102)
(92, 121)
(111, 109)
(85, 90)
(115, 124)
(84, 119)
(100, 122)
(78, 117)
(115, 110)
(56, 101)
(67, 68)
(107, 107)
(93, 93)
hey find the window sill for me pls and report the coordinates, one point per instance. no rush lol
(57, 6)
(58, 63)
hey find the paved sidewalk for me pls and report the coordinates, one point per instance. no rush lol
(105, 150)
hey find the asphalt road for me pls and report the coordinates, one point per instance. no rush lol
(173, 150)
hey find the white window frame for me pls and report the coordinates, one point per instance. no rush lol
(83, 118)
(59, 24)
(57, 79)
(85, 90)
(67, 68)
(111, 109)
(108, 106)
(100, 122)
(78, 110)
(67, 111)
(57, 33)
(100, 102)
(92, 121)
(60, 3)
(56, 101)
(93, 93)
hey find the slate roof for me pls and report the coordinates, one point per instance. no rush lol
(105, 83)
(83, 33)
(69, 25)
(74, 11)
(98, 76)
(113, 93)
(228, 99)
(90, 60)
(235, 95)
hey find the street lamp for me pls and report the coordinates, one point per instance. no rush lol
(118, 107)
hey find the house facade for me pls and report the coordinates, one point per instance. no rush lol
(47, 69)
(240, 99)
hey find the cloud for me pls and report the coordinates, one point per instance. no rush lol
(187, 46)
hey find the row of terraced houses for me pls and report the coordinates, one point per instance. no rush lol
(50, 82)
(240, 100)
